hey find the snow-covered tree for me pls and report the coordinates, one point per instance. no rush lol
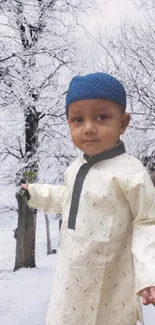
(129, 54)
(38, 41)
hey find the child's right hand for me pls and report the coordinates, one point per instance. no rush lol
(24, 186)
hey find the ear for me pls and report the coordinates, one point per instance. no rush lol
(125, 122)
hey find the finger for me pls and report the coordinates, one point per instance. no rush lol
(25, 186)
(148, 300)
(146, 293)
(145, 301)
(152, 300)
(152, 292)
(146, 297)
(151, 297)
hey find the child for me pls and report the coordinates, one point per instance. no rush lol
(107, 249)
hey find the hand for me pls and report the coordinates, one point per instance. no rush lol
(148, 296)
(24, 186)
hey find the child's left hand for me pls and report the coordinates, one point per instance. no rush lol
(148, 296)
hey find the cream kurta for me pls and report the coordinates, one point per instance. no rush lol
(110, 255)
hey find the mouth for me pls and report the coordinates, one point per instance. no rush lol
(90, 141)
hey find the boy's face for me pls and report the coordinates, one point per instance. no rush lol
(96, 124)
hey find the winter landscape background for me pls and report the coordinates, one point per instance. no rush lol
(43, 44)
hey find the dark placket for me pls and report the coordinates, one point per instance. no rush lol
(119, 149)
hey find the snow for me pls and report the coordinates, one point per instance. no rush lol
(24, 294)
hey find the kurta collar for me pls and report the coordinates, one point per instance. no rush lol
(82, 174)
(108, 154)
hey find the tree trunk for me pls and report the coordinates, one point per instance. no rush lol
(60, 223)
(26, 230)
(48, 236)
(152, 174)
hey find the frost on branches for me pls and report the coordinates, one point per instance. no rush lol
(37, 46)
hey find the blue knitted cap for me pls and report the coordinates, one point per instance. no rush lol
(95, 86)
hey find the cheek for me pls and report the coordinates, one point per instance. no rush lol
(75, 135)
(111, 131)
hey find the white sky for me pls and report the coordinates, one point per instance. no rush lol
(116, 9)
(111, 13)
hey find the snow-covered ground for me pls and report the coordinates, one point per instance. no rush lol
(24, 294)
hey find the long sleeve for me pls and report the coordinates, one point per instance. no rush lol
(47, 197)
(141, 197)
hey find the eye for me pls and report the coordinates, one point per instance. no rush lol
(101, 117)
(77, 119)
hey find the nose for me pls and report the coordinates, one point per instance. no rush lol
(89, 128)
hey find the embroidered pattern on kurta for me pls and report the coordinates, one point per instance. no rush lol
(109, 257)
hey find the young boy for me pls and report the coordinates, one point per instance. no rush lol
(107, 250)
